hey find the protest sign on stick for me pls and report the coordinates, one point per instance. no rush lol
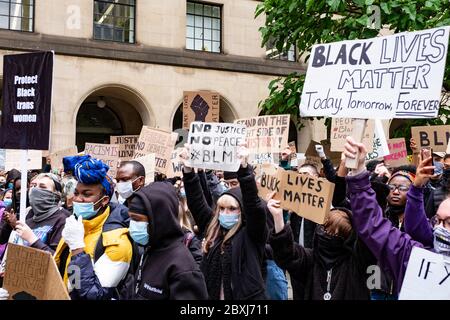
(201, 106)
(215, 145)
(126, 146)
(12, 157)
(266, 136)
(427, 276)
(397, 153)
(396, 76)
(32, 274)
(159, 142)
(435, 137)
(107, 153)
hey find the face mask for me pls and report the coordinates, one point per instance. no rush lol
(138, 232)
(10, 185)
(439, 168)
(85, 209)
(7, 202)
(43, 202)
(228, 220)
(125, 189)
(441, 240)
(224, 187)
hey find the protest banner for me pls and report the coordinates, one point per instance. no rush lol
(34, 159)
(380, 147)
(427, 276)
(107, 153)
(266, 136)
(126, 146)
(396, 76)
(269, 181)
(397, 153)
(56, 158)
(307, 196)
(32, 274)
(435, 137)
(341, 128)
(201, 106)
(27, 101)
(159, 142)
(149, 163)
(176, 167)
(214, 145)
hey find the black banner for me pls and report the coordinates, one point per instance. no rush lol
(27, 101)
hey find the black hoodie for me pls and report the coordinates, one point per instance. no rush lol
(168, 269)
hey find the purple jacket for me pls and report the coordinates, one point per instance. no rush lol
(2, 246)
(389, 245)
(416, 222)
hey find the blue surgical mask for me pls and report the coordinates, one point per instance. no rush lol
(7, 202)
(138, 232)
(439, 167)
(85, 209)
(228, 220)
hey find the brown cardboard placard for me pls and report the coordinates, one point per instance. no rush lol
(107, 153)
(436, 137)
(159, 142)
(148, 161)
(200, 106)
(341, 128)
(56, 158)
(266, 135)
(397, 153)
(126, 144)
(176, 167)
(306, 195)
(269, 181)
(32, 274)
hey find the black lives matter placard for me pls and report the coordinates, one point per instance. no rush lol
(398, 76)
(27, 101)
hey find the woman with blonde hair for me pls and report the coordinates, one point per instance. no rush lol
(234, 234)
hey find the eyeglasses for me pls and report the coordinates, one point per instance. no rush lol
(435, 221)
(400, 188)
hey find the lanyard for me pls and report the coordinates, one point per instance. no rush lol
(327, 295)
(139, 274)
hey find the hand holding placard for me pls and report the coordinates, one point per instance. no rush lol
(357, 152)
(359, 126)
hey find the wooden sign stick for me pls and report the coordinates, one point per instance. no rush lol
(359, 126)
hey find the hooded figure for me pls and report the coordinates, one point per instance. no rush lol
(167, 269)
(334, 268)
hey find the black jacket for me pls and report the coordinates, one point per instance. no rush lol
(168, 269)
(348, 277)
(247, 245)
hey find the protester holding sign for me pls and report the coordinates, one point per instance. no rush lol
(95, 238)
(389, 245)
(235, 234)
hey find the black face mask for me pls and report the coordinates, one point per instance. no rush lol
(330, 249)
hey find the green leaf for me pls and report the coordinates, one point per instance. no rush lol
(385, 7)
(369, 2)
(334, 4)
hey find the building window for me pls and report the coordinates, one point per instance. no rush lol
(114, 20)
(273, 53)
(203, 27)
(17, 15)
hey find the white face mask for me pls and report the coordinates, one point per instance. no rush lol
(125, 189)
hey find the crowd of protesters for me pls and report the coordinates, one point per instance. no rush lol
(209, 235)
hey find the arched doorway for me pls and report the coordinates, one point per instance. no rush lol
(110, 111)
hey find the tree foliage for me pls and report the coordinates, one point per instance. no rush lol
(303, 23)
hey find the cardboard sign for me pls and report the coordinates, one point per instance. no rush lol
(435, 137)
(56, 158)
(202, 106)
(380, 146)
(269, 181)
(160, 143)
(214, 145)
(266, 135)
(32, 274)
(397, 76)
(107, 153)
(12, 159)
(341, 128)
(307, 196)
(149, 162)
(318, 129)
(176, 167)
(126, 146)
(427, 276)
(27, 101)
(397, 153)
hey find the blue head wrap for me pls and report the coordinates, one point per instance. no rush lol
(88, 170)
